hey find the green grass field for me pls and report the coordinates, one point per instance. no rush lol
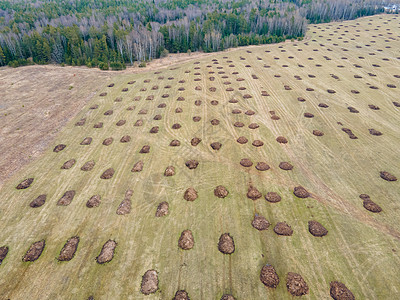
(361, 249)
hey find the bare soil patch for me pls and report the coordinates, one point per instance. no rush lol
(316, 229)
(107, 252)
(260, 222)
(162, 209)
(38, 201)
(94, 201)
(226, 245)
(221, 191)
(67, 198)
(339, 291)
(186, 240)
(69, 249)
(269, 277)
(149, 283)
(34, 251)
(282, 228)
(296, 285)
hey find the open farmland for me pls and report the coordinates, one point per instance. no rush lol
(322, 113)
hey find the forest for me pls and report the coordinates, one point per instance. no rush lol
(113, 34)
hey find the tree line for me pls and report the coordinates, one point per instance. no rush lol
(115, 33)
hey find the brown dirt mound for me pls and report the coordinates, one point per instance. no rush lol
(247, 96)
(125, 206)
(34, 251)
(157, 117)
(282, 140)
(195, 141)
(98, 125)
(121, 122)
(137, 98)
(190, 194)
(285, 166)
(68, 251)
(3, 253)
(59, 148)
(138, 122)
(138, 167)
(397, 104)
(387, 176)
(68, 164)
(374, 132)
(149, 283)
(350, 133)
(236, 111)
(371, 206)
(212, 89)
(109, 112)
(162, 209)
(229, 89)
(220, 191)
(38, 201)
(250, 112)
(246, 162)
(180, 98)
(67, 198)
(154, 129)
(108, 141)
(103, 94)
(233, 101)
(176, 126)
(272, 197)
(165, 95)
(169, 171)
(181, 295)
(339, 291)
(178, 110)
(94, 201)
(264, 93)
(107, 252)
(308, 115)
(227, 297)
(81, 122)
(316, 229)
(257, 143)
(111, 85)
(353, 110)
(269, 277)
(253, 126)
(242, 140)
(226, 245)
(142, 112)
(175, 143)
(214, 102)
(275, 117)
(130, 108)
(262, 166)
(87, 141)
(118, 99)
(309, 89)
(125, 139)
(107, 174)
(197, 102)
(186, 240)
(301, 192)
(25, 184)
(391, 86)
(317, 133)
(282, 228)
(145, 149)
(260, 223)
(323, 105)
(216, 145)
(296, 285)
(374, 107)
(192, 164)
(196, 119)
(162, 105)
(287, 88)
(355, 91)
(253, 193)
(214, 122)
(301, 99)
(238, 124)
(331, 91)
(364, 196)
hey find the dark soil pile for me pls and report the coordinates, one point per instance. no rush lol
(81, 122)
(125, 206)
(121, 122)
(260, 222)
(353, 110)
(233, 101)
(387, 176)
(180, 98)
(181, 295)
(242, 140)
(69, 249)
(308, 115)
(264, 93)
(275, 117)
(169, 171)
(214, 122)
(301, 192)
(138, 123)
(247, 96)
(226, 245)
(350, 133)
(162, 209)
(87, 141)
(373, 107)
(371, 206)
(59, 148)
(355, 91)
(197, 102)
(262, 166)
(272, 197)
(331, 91)
(296, 285)
(186, 240)
(107, 252)
(220, 191)
(195, 141)
(269, 277)
(316, 229)
(216, 145)
(67, 198)
(397, 104)
(175, 143)
(111, 85)
(236, 111)
(309, 89)
(214, 102)
(108, 141)
(227, 297)
(196, 119)
(253, 126)
(103, 94)
(317, 133)
(25, 184)
(257, 143)
(3, 253)
(162, 105)
(323, 105)
(107, 174)
(124, 89)
(190, 194)
(142, 112)
(34, 251)
(165, 95)
(149, 282)
(145, 149)
(245, 162)
(157, 117)
(374, 132)
(282, 140)
(301, 99)
(94, 201)
(178, 110)
(282, 228)
(285, 166)
(339, 291)
(250, 112)
(98, 125)
(109, 112)
(68, 164)
(253, 193)
(154, 129)
(95, 106)
(38, 201)
(238, 124)
(176, 126)
(138, 167)
(192, 164)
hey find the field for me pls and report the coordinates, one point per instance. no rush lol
(342, 76)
